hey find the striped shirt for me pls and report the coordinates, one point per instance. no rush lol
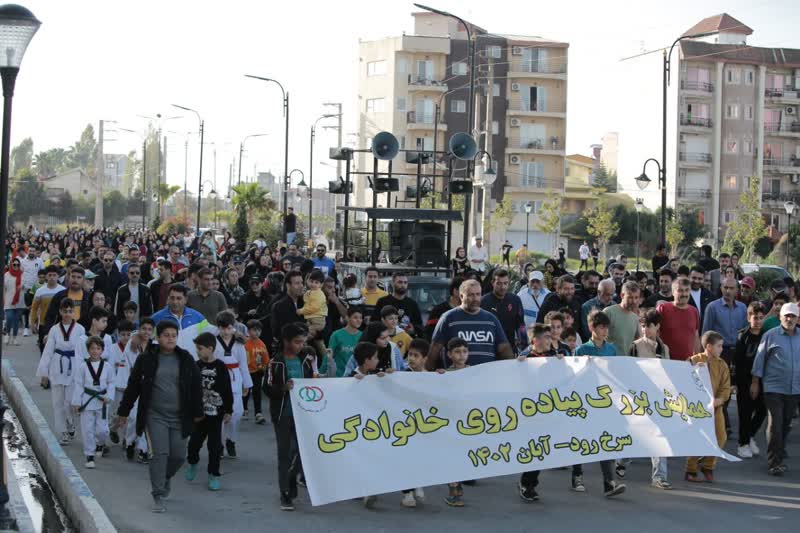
(482, 331)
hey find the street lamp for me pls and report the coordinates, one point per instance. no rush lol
(211, 194)
(643, 181)
(487, 178)
(789, 206)
(200, 180)
(286, 141)
(639, 205)
(528, 208)
(17, 28)
(311, 171)
(241, 150)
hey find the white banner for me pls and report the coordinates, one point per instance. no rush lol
(407, 430)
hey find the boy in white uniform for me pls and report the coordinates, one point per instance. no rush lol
(231, 351)
(98, 322)
(94, 389)
(136, 345)
(116, 357)
(56, 367)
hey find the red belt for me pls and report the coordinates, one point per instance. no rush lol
(232, 366)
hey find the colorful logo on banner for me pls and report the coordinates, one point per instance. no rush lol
(313, 399)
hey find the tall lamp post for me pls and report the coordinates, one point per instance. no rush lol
(639, 205)
(302, 188)
(286, 141)
(17, 28)
(241, 151)
(789, 206)
(311, 171)
(528, 208)
(200, 180)
(488, 177)
(212, 194)
(144, 173)
(644, 180)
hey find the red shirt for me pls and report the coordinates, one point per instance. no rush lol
(678, 329)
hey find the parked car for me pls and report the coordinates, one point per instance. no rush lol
(752, 268)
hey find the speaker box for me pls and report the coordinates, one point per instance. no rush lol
(401, 240)
(429, 245)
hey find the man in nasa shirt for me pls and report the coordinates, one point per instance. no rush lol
(481, 329)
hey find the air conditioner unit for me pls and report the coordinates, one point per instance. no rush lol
(514, 160)
(515, 123)
(795, 178)
(682, 137)
(516, 50)
(515, 86)
(791, 110)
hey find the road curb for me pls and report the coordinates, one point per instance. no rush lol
(74, 494)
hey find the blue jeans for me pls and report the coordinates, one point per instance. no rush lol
(659, 468)
(290, 237)
(12, 321)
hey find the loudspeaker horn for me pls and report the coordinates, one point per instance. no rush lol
(385, 146)
(463, 146)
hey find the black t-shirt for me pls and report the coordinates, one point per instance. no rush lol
(290, 223)
(508, 311)
(434, 316)
(217, 393)
(506, 250)
(595, 252)
(407, 309)
(653, 300)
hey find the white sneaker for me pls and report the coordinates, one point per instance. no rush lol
(8, 340)
(64, 440)
(744, 452)
(408, 500)
(15, 341)
(26, 332)
(419, 494)
(90, 462)
(754, 447)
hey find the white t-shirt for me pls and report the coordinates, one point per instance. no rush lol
(583, 251)
(480, 254)
(696, 298)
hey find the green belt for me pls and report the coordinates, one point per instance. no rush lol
(98, 394)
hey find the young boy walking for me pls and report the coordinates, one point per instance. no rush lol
(137, 345)
(93, 391)
(121, 373)
(712, 343)
(56, 367)
(257, 363)
(231, 352)
(217, 408)
(344, 340)
(458, 353)
(752, 412)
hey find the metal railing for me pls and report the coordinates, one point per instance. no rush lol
(423, 80)
(685, 192)
(694, 157)
(790, 127)
(689, 120)
(543, 67)
(540, 144)
(780, 197)
(697, 86)
(781, 161)
(772, 92)
(412, 117)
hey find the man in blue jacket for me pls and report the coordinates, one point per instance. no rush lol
(190, 322)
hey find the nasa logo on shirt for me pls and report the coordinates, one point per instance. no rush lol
(477, 336)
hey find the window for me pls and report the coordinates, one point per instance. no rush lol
(730, 182)
(532, 136)
(775, 186)
(458, 106)
(773, 151)
(727, 217)
(424, 70)
(401, 103)
(375, 105)
(533, 98)
(401, 66)
(424, 143)
(749, 77)
(732, 146)
(733, 76)
(493, 51)
(111, 164)
(566, 171)
(496, 89)
(533, 175)
(495, 127)
(748, 146)
(732, 111)
(424, 111)
(519, 207)
(376, 68)
(460, 68)
(534, 60)
(748, 112)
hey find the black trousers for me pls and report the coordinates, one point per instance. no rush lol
(531, 479)
(255, 392)
(781, 409)
(210, 430)
(288, 454)
(752, 413)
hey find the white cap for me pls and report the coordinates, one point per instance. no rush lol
(790, 309)
(536, 275)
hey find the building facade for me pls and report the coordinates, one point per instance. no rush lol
(417, 87)
(737, 118)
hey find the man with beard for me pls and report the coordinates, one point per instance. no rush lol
(323, 262)
(664, 294)
(284, 309)
(606, 291)
(624, 317)
(700, 296)
(680, 322)
(532, 297)
(408, 309)
(481, 329)
(747, 289)
(563, 297)
(588, 289)
(505, 306)
(716, 274)
(109, 278)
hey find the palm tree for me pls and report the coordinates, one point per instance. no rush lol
(165, 192)
(252, 198)
(50, 162)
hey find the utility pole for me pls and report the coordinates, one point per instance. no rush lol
(487, 191)
(469, 208)
(100, 177)
(186, 178)
(162, 210)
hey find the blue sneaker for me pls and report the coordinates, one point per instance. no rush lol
(191, 472)
(213, 483)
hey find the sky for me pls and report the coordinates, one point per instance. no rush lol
(121, 59)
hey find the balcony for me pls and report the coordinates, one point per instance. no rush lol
(537, 147)
(698, 86)
(782, 96)
(784, 129)
(535, 69)
(694, 159)
(423, 121)
(419, 83)
(693, 195)
(782, 165)
(541, 113)
(696, 122)
(781, 197)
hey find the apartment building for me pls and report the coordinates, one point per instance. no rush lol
(404, 80)
(737, 118)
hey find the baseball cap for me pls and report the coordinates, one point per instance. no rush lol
(255, 279)
(536, 275)
(90, 275)
(747, 281)
(790, 309)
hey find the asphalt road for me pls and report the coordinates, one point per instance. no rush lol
(743, 497)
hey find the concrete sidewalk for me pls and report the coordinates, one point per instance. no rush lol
(744, 498)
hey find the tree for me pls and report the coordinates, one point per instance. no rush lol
(22, 156)
(240, 228)
(63, 206)
(548, 219)
(748, 226)
(165, 192)
(114, 207)
(601, 224)
(50, 162)
(27, 196)
(674, 235)
(131, 169)
(83, 154)
(601, 179)
(252, 198)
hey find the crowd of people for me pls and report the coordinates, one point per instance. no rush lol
(173, 337)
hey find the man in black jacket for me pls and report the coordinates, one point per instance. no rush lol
(563, 297)
(284, 310)
(109, 279)
(699, 296)
(161, 375)
(410, 316)
(255, 305)
(143, 299)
